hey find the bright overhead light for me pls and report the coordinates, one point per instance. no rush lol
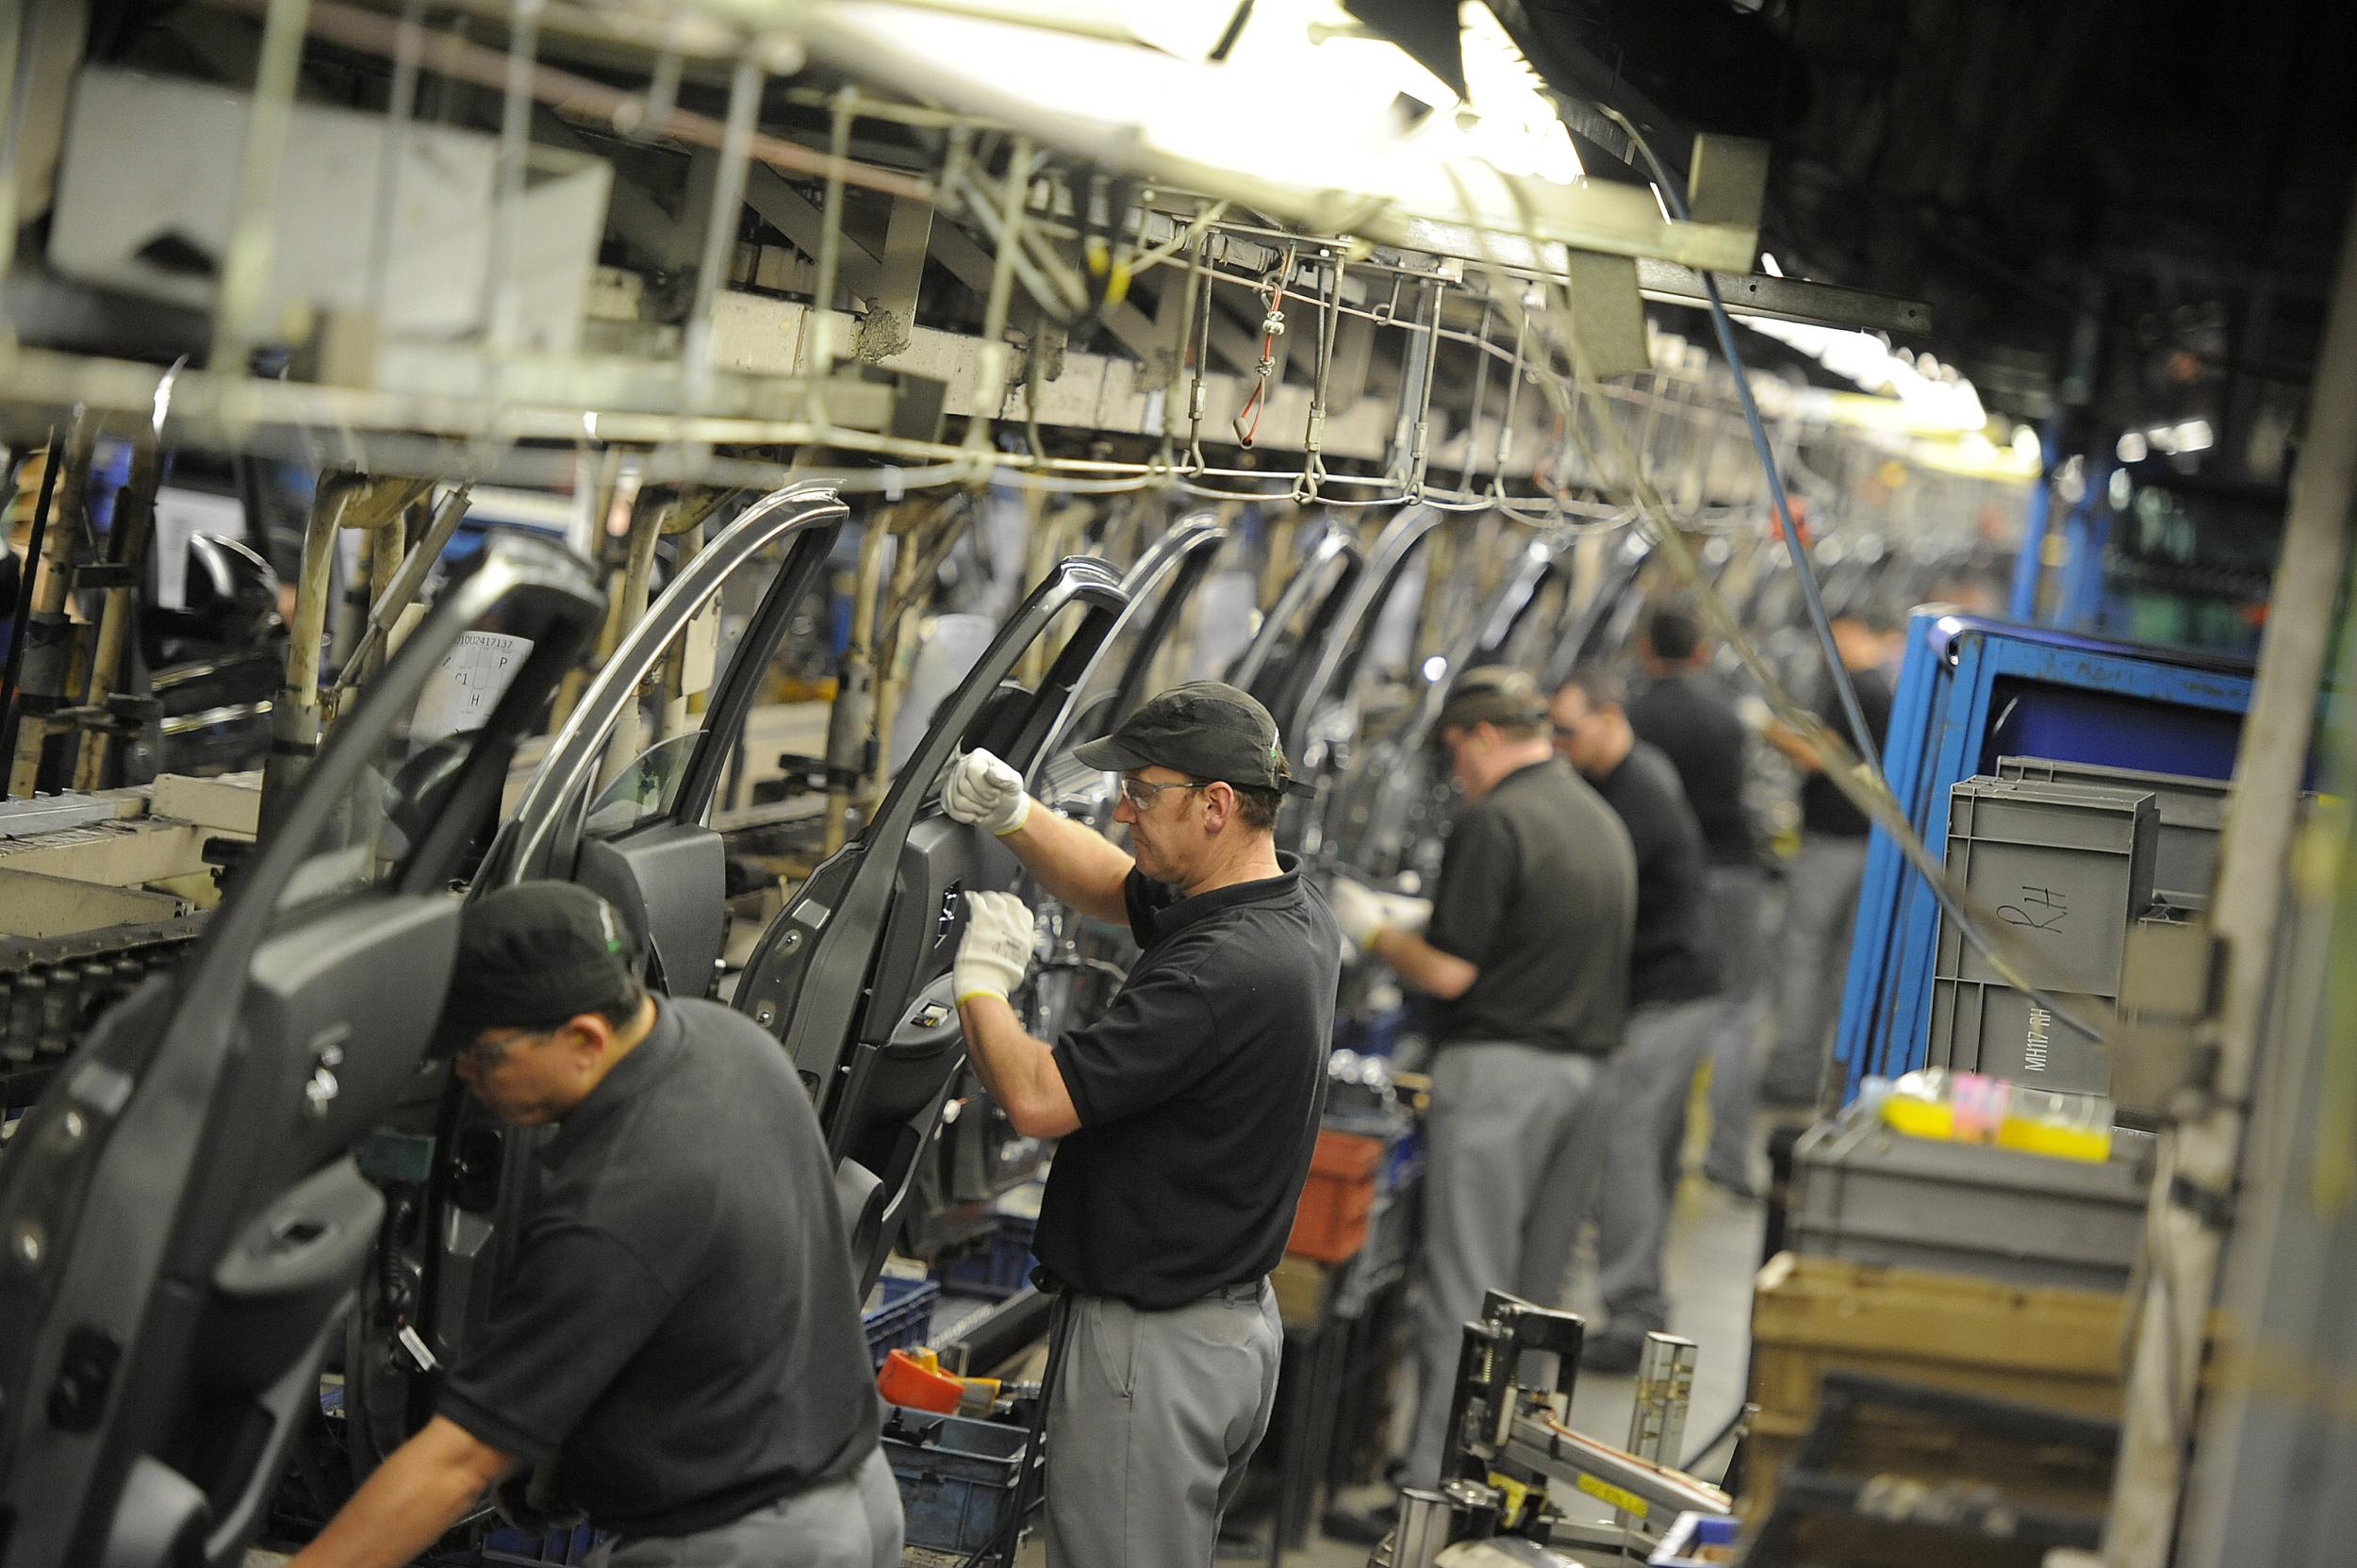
(1518, 130)
(1434, 667)
(1932, 396)
(2134, 448)
(2026, 444)
(2194, 436)
(1767, 265)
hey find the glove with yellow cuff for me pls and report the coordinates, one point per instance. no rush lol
(997, 947)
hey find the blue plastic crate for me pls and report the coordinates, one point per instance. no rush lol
(557, 1549)
(957, 1476)
(904, 1321)
(996, 1266)
(1695, 1541)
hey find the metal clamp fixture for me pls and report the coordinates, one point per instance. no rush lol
(1507, 1446)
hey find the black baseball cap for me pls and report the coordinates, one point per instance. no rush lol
(1492, 694)
(532, 956)
(1207, 729)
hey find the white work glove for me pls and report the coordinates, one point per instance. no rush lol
(981, 789)
(997, 947)
(1361, 911)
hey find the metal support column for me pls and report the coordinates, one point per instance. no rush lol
(127, 539)
(2194, 1194)
(2028, 562)
(2087, 532)
(48, 655)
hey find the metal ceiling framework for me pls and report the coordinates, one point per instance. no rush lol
(1390, 370)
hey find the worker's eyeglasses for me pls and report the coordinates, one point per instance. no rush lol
(1142, 795)
(485, 1056)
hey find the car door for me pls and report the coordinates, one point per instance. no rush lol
(1323, 706)
(1384, 820)
(1158, 586)
(1298, 622)
(1606, 618)
(189, 1221)
(645, 842)
(1080, 962)
(455, 1184)
(854, 973)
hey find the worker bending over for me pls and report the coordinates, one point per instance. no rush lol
(1672, 984)
(677, 1337)
(1525, 952)
(1188, 1113)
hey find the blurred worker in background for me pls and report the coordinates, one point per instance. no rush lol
(1821, 887)
(1525, 949)
(1672, 987)
(1689, 714)
(676, 1342)
(1188, 1113)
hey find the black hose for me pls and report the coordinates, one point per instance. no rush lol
(1861, 734)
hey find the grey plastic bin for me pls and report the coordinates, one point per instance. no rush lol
(1868, 1193)
(2067, 866)
(2192, 815)
(1985, 1027)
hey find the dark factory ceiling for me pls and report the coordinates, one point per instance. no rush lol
(2174, 175)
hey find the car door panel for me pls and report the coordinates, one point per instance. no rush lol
(666, 875)
(843, 974)
(982, 1155)
(1258, 670)
(188, 1175)
(545, 836)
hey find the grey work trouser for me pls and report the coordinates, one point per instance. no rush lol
(1812, 962)
(1645, 1089)
(1153, 1418)
(1508, 1148)
(1738, 895)
(851, 1523)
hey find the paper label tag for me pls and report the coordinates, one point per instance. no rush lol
(460, 695)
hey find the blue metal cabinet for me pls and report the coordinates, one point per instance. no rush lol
(1971, 691)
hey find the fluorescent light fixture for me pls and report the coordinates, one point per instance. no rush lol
(1934, 396)
(2194, 436)
(2134, 448)
(1517, 131)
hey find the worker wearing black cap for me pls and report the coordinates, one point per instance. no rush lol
(1525, 951)
(676, 1342)
(1188, 1113)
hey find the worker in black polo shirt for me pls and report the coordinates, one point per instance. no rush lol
(1689, 714)
(1525, 952)
(676, 1341)
(1188, 1113)
(1674, 977)
(1820, 887)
